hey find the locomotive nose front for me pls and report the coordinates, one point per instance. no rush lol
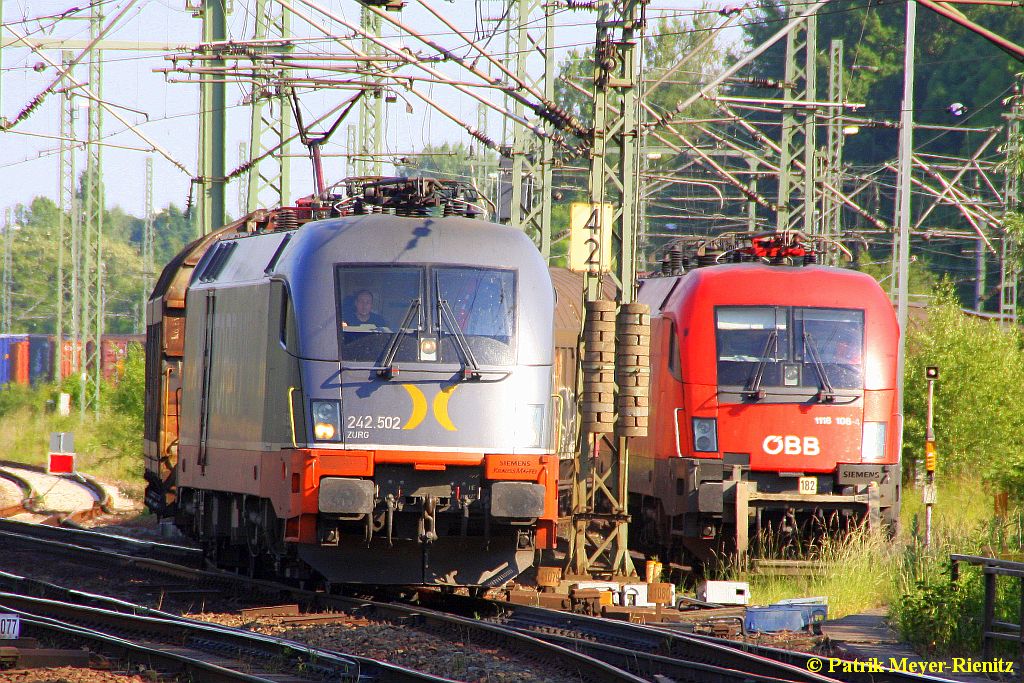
(442, 393)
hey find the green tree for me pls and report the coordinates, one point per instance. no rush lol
(34, 255)
(979, 428)
(952, 65)
(34, 266)
(922, 281)
(172, 230)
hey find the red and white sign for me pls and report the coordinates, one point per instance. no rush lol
(790, 445)
(61, 463)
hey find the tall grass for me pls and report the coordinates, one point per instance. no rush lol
(853, 572)
(870, 569)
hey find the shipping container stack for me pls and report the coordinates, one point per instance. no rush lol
(28, 359)
(114, 351)
(40, 351)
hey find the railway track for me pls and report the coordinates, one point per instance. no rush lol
(98, 540)
(574, 665)
(596, 657)
(187, 646)
(637, 651)
(656, 644)
(49, 498)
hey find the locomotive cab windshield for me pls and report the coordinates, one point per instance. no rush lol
(789, 351)
(390, 314)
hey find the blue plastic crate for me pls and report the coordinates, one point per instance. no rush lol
(784, 617)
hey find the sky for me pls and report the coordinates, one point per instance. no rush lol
(167, 112)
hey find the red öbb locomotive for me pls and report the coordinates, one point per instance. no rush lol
(774, 411)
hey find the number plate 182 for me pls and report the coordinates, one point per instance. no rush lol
(10, 626)
(808, 486)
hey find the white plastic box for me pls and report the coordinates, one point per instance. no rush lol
(724, 592)
(634, 594)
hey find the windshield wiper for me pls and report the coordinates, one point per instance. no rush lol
(754, 390)
(826, 393)
(445, 313)
(387, 369)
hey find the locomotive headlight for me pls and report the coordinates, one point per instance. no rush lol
(326, 420)
(428, 349)
(872, 447)
(705, 434)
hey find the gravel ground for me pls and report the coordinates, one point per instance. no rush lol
(404, 646)
(378, 640)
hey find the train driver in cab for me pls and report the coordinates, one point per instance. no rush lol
(360, 314)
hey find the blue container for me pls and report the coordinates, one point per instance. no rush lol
(7, 356)
(784, 617)
(40, 358)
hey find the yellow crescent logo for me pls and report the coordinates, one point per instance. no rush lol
(441, 408)
(419, 407)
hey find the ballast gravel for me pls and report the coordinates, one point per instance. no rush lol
(67, 674)
(407, 647)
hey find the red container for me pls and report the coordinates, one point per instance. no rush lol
(113, 351)
(70, 357)
(19, 362)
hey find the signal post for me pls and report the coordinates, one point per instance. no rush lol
(930, 456)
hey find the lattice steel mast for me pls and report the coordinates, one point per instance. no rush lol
(367, 138)
(148, 265)
(6, 277)
(269, 179)
(798, 142)
(68, 261)
(600, 494)
(832, 165)
(533, 159)
(1009, 271)
(212, 122)
(91, 254)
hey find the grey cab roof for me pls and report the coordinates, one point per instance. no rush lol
(374, 238)
(380, 238)
(236, 261)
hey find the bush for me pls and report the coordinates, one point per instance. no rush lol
(14, 397)
(935, 615)
(978, 424)
(128, 396)
(110, 446)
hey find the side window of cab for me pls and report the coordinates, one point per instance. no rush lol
(674, 361)
(287, 326)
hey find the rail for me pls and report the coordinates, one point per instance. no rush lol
(65, 606)
(89, 538)
(579, 664)
(13, 471)
(653, 644)
(991, 628)
(622, 650)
